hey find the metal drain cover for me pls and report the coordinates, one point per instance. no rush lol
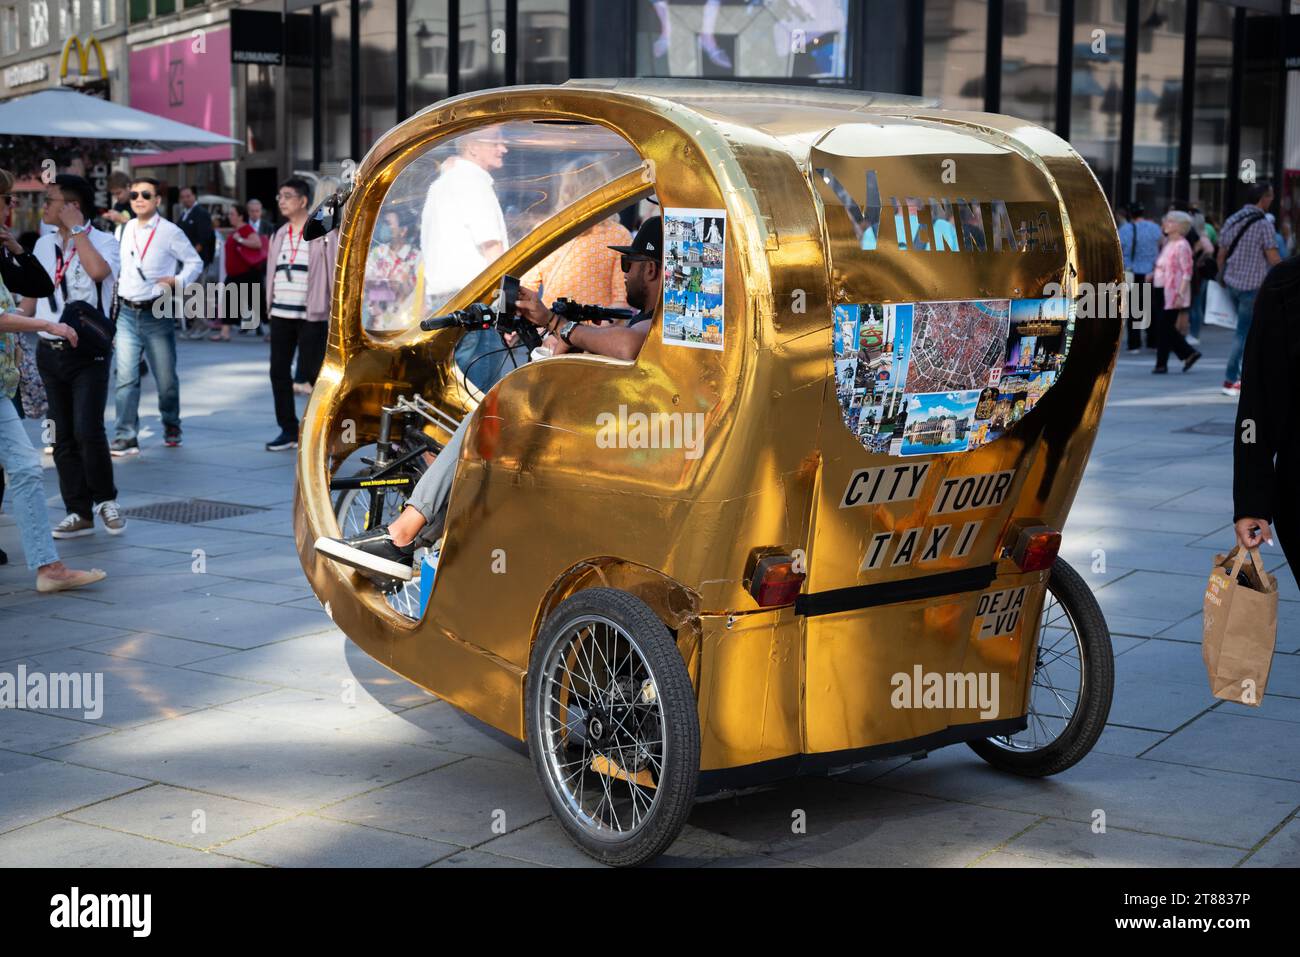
(1212, 427)
(193, 511)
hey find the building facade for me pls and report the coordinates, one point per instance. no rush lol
(1166, 99)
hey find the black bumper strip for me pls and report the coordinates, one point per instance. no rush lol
(778, 769)
(891, 593)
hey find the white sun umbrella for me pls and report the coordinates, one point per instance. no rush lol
(64, 113)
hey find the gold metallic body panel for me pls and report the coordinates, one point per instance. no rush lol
(776, 457)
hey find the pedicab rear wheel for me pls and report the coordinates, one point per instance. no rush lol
(612, 726)
(1073, 680)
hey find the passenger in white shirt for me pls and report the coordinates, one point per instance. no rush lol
(83, 262)
(157, 261)
(462, 230)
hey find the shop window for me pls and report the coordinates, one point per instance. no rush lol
(67, 18)
(1157, 125)
(39, 23)
(713, 38)
(955, 34)
(101, 13)
(543, 41)
(1029, 60)
(455, 209)
(426, 46)
(163, 8)
(8, 30)
(1097, 94)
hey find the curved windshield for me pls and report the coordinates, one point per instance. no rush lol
(455, 209)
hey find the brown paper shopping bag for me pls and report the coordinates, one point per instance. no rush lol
(1240, 627)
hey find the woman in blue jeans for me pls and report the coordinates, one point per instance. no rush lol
(22, 462)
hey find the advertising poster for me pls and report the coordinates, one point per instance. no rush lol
(935, 377)
(694, 252)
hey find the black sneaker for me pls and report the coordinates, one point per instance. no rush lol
(172, 438)
(121, 447)
(371, 551)
(281, 442)
(1190, 361)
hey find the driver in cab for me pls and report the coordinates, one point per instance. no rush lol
(388, 554)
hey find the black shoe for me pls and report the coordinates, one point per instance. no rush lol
(172, 438)
(4, 558)
(372, 552)
(281, 442)
(1190, 361)
(1160, 370)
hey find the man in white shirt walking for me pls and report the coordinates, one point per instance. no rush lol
(462, 230)
(153, 251)
(84, 264)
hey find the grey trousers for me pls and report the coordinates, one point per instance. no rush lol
(434, 488)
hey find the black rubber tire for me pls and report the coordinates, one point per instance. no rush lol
(1098, 665)
(677, 785)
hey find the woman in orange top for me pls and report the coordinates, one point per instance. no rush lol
(584, 269)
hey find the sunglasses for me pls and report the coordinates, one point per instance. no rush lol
(625, 261)
(142, 194)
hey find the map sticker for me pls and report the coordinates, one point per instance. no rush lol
(936, 377)
(695, 242)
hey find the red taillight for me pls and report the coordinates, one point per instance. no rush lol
(1036, 548)
(775, 581)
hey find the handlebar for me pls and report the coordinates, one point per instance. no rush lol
(480, 316)
(476, 316)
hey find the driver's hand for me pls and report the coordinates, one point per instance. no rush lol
(511, 339)
(529, 305)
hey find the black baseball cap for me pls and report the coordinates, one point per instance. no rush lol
(648, 243)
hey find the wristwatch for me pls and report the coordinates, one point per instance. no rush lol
(566, 330)
(78, 230)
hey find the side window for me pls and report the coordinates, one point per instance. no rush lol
(454, 210)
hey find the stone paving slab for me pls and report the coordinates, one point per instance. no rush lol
(1075, 843)
(309, 841)
(62, 843)
(35, 788)
(1137, 794)
(180, 816)
(252, 759)
(460, 803)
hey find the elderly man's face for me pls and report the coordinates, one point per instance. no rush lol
(487, 151)
(254, 209)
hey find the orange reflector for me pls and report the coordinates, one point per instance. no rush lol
(775, 581)
(1036, 548)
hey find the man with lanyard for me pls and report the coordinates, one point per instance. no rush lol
(153, 249)
(287, 262)
(83, 262)
(1247, 251)
(388, 553)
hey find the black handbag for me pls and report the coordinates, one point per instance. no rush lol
(94, 327)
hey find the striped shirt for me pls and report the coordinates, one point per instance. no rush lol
(290, 300)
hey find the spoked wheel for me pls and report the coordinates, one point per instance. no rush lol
(612, 726)
(1073, 680)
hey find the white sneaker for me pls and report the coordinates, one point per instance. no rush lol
(1192, 340)
(111, 516)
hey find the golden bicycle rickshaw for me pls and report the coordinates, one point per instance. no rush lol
(815, 521)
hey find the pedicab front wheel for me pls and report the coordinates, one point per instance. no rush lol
(612, 726)
(1073, 680)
